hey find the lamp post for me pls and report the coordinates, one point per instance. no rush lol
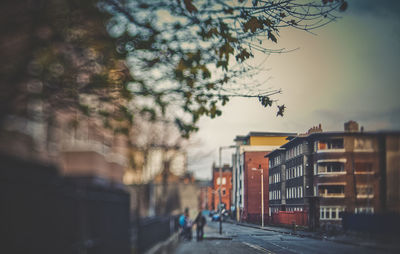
(220, 185)
(262, 194)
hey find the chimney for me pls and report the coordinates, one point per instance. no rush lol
(315, 129)
(351, 126)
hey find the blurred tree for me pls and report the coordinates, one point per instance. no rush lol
(184, 59)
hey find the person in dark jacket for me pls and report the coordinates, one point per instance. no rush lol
(200, 223)
(186, 226)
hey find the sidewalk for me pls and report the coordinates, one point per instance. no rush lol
(213, 243)
(391, 244)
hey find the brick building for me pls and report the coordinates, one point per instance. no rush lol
(290, 176)
(248, 163)
(327, 173)
(225, 183)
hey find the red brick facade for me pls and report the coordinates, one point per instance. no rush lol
(226, 187)
(210, 198)
(252, 185)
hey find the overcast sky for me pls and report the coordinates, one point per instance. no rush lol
(348, 71)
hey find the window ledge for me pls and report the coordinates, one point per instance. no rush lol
(364, 173)
(364, 150)
(332, 196)
(340, 150)
(332, 173)
(365, 196)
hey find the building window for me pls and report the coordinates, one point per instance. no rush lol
(300, 191)
(218, 181)
(331, 212)
(223, 180)
(331, 144)
(223, 192)
(363, 144)
(330, 167)
(365, 191)
(363, 167)
(365, 210)
(331, 191)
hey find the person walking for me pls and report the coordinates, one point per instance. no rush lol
(200, 223)
(186, 225)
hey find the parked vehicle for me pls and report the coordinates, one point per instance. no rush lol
(215, 217)
(211, 213)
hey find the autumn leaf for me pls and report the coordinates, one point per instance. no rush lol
(265, 101)
(243, 55)
(272, 37)
(189, 6)
(343, 6)
(281, 109)
(253, 24)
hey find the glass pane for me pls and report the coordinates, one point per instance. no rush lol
(334, 213)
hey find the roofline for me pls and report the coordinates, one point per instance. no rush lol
(333, 133)
(270, 134)
(348, 133)
(274, 152)
(265, 134)
(238, 138)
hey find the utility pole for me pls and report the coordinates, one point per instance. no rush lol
(220, 186)
(262, 197)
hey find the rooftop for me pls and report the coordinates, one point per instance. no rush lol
(264, 134)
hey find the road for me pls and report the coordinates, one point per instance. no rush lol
(253, 240)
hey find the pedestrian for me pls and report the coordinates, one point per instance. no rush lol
(200, 223)
(186, 225)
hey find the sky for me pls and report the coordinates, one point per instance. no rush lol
(348, 70)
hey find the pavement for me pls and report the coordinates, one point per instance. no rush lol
(385, 243)
(212, 243)
(215, 243)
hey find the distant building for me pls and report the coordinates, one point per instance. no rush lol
(205, 190)
(248, 162)
(224, 183)
(149, 162)
(327, 173)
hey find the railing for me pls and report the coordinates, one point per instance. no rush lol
(299, 218)
(42, 212)
(151, 231)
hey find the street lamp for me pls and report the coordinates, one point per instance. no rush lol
(220, 185)
(262, 194)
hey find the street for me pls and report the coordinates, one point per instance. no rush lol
(241, 239)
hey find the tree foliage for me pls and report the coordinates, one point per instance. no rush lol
(180, 58)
